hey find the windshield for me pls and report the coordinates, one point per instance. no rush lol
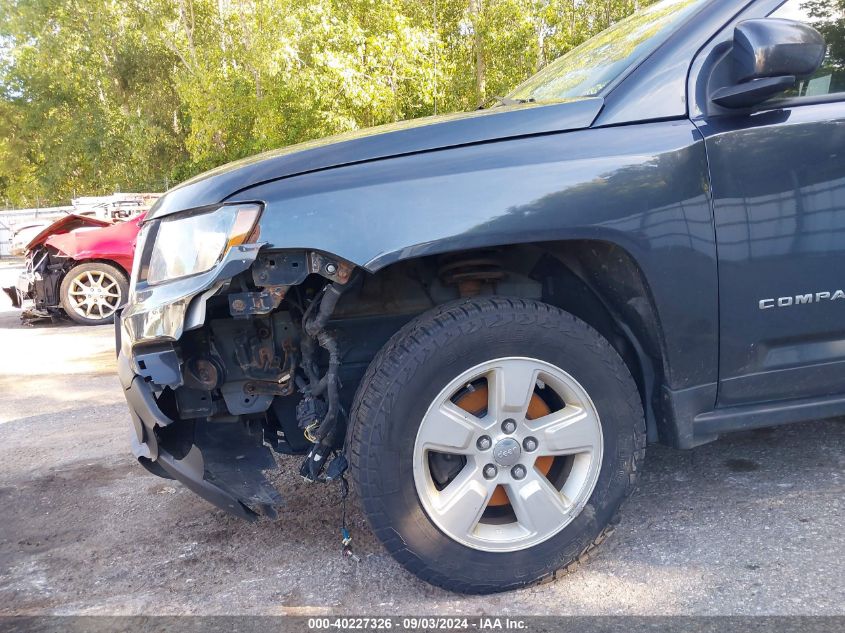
(586, 70)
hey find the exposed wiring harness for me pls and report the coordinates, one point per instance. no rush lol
(319, 410)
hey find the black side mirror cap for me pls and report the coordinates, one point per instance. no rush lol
(772, 47)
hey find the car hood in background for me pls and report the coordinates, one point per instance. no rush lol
(63, 226)
(111, 241)
(396, 139)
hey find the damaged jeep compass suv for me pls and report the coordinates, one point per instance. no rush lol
(487, 316)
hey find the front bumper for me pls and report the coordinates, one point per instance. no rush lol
(224, 465)
(146, 418)
(29, 294)
(12, 293)
(24, 287)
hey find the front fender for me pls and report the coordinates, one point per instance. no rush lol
(642, 187)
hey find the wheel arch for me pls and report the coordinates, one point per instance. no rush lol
(597, 280)
(97, 260)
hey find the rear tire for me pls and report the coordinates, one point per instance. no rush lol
(399, 476)
(92, 292)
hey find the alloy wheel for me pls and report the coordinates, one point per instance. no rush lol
(94, 294)
(468, 460)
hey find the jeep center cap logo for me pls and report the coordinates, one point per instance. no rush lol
(506, 452)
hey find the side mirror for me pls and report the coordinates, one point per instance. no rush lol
(768, 56)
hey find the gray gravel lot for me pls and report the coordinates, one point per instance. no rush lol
(751, 524)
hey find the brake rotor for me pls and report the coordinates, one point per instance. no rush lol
(475, 402)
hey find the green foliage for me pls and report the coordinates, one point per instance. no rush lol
(104, 95)
(828, 18)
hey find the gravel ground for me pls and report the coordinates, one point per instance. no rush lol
(751, 524)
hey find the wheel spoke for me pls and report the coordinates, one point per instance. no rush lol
(461, 504)
(539, 508)
(510, 386)
(569, 431)
(449, 429)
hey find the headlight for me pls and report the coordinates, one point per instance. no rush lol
(185, 245)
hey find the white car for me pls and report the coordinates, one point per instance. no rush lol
(23, 235)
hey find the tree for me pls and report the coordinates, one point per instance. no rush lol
(104, 95)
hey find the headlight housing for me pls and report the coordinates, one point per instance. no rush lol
(188, 244)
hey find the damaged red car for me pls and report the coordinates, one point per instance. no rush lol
(77, 267)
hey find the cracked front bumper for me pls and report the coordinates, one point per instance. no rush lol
(146, 420)
(22, 290)
(12, 293)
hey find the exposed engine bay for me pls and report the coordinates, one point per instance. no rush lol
(45, 266)
(275, 364)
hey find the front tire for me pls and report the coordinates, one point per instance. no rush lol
(91, 293)
(493, 442)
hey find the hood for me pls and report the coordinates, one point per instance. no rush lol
(396, 139)
(113, 241)
(64, 225)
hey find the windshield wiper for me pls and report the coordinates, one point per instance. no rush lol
(506, 101)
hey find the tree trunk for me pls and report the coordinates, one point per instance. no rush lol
(475, 10)
(541, 46)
